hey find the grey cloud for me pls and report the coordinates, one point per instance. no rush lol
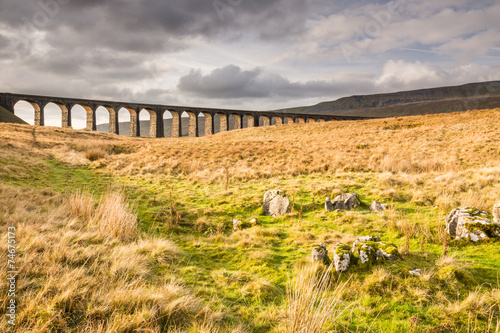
(233, 82)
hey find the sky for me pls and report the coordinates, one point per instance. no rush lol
(243, 54)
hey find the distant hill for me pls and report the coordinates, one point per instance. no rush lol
(9, 117)
(481, 95)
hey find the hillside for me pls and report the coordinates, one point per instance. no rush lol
(9, 117)
(416, 102)
(122, 234)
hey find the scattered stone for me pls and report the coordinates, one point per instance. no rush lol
(416, 272)
(320, 254)
(369, 250)
(387, 251)
(496, 213)
(328, 205)
(452, 273)
(377, 207)
(347, 201)
(210, 231)
(253, 222)
(370, 238)
(342, 257)
(236, 224)
(472, 224)
(275, 203)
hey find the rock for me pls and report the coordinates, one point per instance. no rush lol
(328, 205)
(236, 224)
(342, 257)
(496, 213)
(416, 272)
(320, 254)
(472, 224)
(275, 203)
(253, 222)
(377, 207)
(370, 251)
(387, 251)
(346, 201)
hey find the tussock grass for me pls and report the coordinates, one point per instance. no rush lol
(311, 304)
(114, 217)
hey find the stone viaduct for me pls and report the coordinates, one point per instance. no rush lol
(156, 112)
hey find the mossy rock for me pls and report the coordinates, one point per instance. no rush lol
(342, 257)
(366, 253)
(388, 250)
(449, 273)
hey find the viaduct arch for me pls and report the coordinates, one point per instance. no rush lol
(157, 112)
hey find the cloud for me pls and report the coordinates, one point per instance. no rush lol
(232, 82)
(403, 75)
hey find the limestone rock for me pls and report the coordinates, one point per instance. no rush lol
(346, 201)
(275, 203)
(377, 207)
(472, 224)
(328, 205)
(253, 222)
(342, 257)
(416, 272)
(496, 213)
(236, 224)
(320, 254)
(369, 252)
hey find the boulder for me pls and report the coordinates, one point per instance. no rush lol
(236, 224)
(320, 254)
(346, 201)
(377, 207)
(416, 272)
(369, 252)
(342, 257)
(275, 203)
(496, 213)
(328, 205)
(472, 224)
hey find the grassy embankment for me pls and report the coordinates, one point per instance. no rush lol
(120, 243)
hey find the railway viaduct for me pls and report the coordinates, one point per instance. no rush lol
(156, 112)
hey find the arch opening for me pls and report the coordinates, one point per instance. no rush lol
(171, 124)
(223, 122)
(27, 111)
(53, 115)
(189, 124)
(248, 121)
(105, 119)
(79, 116)
(126, 126)
(147, 123)
(203, 121)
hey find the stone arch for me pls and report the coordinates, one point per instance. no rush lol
(223, 122)
(264, 121)
(277, 120)
(321, 120)
(78, 122)
(151, 132)
(300, 120)
(127, 114)
(23, 109)
(57, 114)
(209, 130)
(288, 120)
(112, 118)
(171, 124)
(235, 121)
(248, 120)
(192, 128)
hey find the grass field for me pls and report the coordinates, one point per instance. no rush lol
(118, 234)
